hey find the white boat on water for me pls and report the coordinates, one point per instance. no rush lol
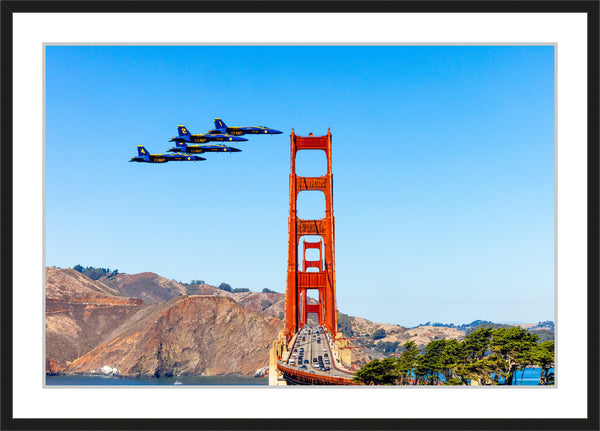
(177, 382)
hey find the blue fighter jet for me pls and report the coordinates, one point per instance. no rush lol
(186, 136)
(221, 127)
(145, 156)
(182, 147)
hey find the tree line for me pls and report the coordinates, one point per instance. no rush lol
(488, 356)
(95, 273)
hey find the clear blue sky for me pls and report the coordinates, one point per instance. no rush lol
(443, 164)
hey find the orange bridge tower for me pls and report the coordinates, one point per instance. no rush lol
(317, 274)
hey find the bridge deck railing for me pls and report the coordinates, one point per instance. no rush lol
(315, 376)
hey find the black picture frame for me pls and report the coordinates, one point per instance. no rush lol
(9, 8)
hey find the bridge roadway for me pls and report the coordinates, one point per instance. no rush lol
(314, 360)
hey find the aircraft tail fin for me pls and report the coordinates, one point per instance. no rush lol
(142, 151)
(184, 132)
(220, 125)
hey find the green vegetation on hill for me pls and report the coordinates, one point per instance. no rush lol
(378, 334)
(545, 329)
(487, 356)
(465, 327)
(549, 324)
(193, 289)
(344, 323)
(387, 347)
(543, 334)
(95, 273)
(486, 325)
(224, 286)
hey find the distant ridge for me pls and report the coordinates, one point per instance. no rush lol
(147, 286)
(476, 324)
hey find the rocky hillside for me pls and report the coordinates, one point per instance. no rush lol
(190, 335)
(272, 304)
(152, 288)
(65, 284)
(147, 286)
(88, 322)
(80, 314)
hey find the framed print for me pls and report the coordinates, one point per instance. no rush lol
(460, 162)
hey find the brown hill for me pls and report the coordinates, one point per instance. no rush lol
(151, 287)
(272, 304)
(190, 335)
(65, 284)
(424, 335)
(147, 286)
(421, 335)
(80, 314)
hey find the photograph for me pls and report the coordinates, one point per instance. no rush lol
(183, 259)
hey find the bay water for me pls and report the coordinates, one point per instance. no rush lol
(526, 377)
(97, 380)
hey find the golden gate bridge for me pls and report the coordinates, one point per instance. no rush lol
(304, 354)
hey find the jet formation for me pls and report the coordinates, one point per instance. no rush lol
(188, 144)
